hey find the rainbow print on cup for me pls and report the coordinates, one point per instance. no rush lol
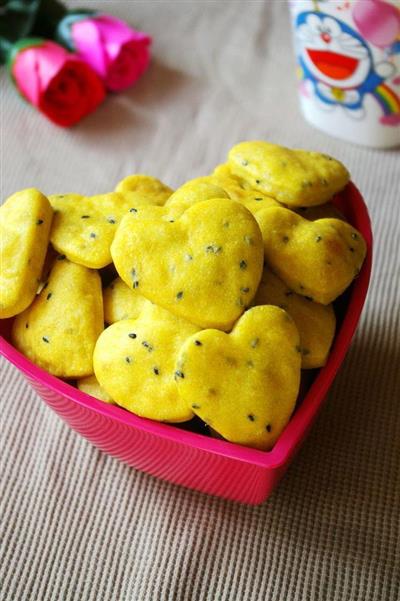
(348, 55)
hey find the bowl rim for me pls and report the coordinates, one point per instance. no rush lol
(302, 418)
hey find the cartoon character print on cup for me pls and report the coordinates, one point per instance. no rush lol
(338, 66)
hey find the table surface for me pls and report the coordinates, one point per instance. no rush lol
(77, 523)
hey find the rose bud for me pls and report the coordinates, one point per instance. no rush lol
(59, 84)
(118, 53)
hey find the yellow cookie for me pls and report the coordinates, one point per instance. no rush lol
(318, 259)
(134, 361)
(195, 190)
(205, 266)
(122, 302)
(243, 384)
(316, 323)
(145, 186)
(91, 386)
(240, 190)
(60, 328)
(25, 220)
(296, 178)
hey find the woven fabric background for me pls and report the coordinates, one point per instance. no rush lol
(79, 525)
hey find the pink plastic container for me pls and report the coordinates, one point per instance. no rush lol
(194, 460)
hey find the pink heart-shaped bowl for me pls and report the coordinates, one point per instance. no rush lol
(194, 460)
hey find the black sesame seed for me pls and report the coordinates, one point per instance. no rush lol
(245, 290)
(285, 239)
(39, 222)
(258, 181)
(45, 339)
(128, 359)
(45, 285)
(92, 235)
(61, 257)
(226, 224)
(243, 264)
(245, 163)
(258, 198)
(309, 298)
(254, 342)
(132, 335)
(111, 220)
(251, 417)
(354, 236)
(194, 406)
(85, 216)
(301, 286)
(188, 257)
(179, 374)
(213, 249)
(156, 371)
(179, 295)
(351, 249)
(133, 210)
(49, 295)
(198, 343)
(268, 427)
(135, 284)
(318, 239)
(27, 325)
(147, 345)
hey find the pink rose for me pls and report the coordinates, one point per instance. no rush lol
(118, 53)
(56, 82)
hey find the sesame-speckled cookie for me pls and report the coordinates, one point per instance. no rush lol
(144, 187)
(243, 384)
(25, 220)
(295, 178)
(134, 361)
(60, 328)
(318, 259)
(316, 323)
(240, 190)
(84, 227)
(122, 302)
(204, 266)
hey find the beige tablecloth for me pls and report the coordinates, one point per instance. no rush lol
(78, 524)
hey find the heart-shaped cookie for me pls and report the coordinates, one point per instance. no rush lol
(243, 384)
(60, 328)
(293, 177)
(318, 259)
(25, 220)
(204, 266)
(121, 302)
(134, 361)
(194, 191)
(240, 190)
(316, 323)
(144, 186)
(84, 227)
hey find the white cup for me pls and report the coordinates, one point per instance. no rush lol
(348, 55)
